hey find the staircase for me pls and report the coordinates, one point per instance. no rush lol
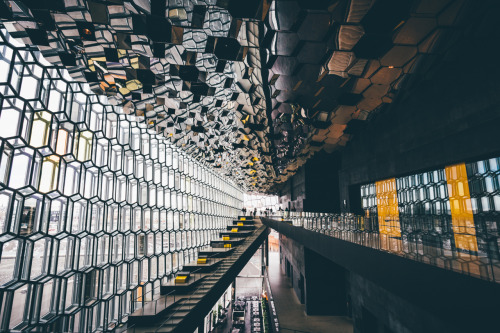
(169, 319)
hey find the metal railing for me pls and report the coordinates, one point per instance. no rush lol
(453, 244)
(273, 316)
(160, 302)
(191, 301)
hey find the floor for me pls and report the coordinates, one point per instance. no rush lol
(291, 314)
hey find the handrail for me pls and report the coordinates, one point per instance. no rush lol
(193, 293)
(270, 299)
(239, 250)
(143, 295)
(439, 240)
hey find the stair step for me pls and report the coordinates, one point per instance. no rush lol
(190, 302)
(172, 322)
(180, 314)
(183, 308)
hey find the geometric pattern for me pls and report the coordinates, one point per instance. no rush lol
(187, 69)
(96, 209)
(333, 65)
(451, 208)
(252, 87)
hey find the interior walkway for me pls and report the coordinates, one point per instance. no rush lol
(291, 314)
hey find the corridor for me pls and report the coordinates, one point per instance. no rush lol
(291, 314)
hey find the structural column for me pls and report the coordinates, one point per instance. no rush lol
(325, 286)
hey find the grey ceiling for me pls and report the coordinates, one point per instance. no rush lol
(253, 87)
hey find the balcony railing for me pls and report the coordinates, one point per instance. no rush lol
(468, 247)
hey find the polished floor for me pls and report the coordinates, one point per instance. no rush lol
(291, 314)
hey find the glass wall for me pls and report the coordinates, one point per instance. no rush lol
(261, 202)
(96, 210)
(459, 204)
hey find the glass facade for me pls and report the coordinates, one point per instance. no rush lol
(454, 207)
(96, 210)
(188, 69)
(447, 217)
(260, 202)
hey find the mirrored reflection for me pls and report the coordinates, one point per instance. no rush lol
(96, 210)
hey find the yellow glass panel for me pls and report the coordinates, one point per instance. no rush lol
(50, 171)
(227, 245)
(139, 292)
(387, 207)
(240, 224)
(202, 260)
(177, 13)
(226, 238)
(243, 218)
(91, 65)
(92, 61)
(234, 230)
(134, 85)
(101, 59)
(462, 218)
(134, 62)
(62, 142)
(83, 146)
(122, 53)
(39, 135)
(124, 91)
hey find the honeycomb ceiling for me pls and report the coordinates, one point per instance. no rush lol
(252, 87)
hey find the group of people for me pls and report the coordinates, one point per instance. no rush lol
(266, 212)
(288, 209)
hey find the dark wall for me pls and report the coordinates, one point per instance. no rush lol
(447, 113)
(315, 186)
(326, 292)
(322, 183)
(318, 282)
(375, 310)
(293, 264)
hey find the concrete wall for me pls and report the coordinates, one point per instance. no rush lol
(293, 252)
(317, 282)
(315, 186)
(331, 290)
(325, 285)
(375, 310)
(322, 183)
